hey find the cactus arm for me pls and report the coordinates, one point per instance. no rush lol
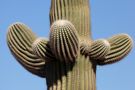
(20, 39)
(64, 40)
(108, 51)
(99, 49)
(96, 50)
(121, 45)
(75, 11)
(41, 48)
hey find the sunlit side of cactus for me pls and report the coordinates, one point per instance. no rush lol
(68, 59)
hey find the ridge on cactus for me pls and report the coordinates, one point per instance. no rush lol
(69, 57)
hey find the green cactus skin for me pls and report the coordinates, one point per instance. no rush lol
(75, 11)
(68, 60)
(98, 49)
(120, 44)
(20, 39)
(69, 76)
(41, 48)
(64, 40)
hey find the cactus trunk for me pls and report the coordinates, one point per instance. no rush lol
(80, 75)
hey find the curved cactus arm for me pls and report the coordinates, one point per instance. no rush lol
(84, 44)
(64, 40)
(98, 49)
(20, 39)
(120, 46)
(42, 49)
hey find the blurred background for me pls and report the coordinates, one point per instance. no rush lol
(108, 17)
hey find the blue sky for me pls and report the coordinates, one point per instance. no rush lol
(109, 17)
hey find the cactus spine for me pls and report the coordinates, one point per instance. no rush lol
(69, 58)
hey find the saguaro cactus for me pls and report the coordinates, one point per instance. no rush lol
(68, 59)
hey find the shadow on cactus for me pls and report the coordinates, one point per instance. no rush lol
(68, 59)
